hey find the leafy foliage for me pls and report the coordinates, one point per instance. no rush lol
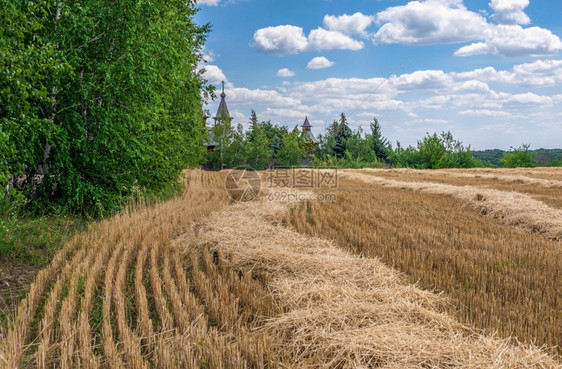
(380, 145)
(99, 98)
(435, 152)
(520, 157)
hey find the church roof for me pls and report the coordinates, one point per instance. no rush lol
(222, 106)
(311, 136)
(306, 123)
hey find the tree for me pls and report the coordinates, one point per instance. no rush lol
(359, 151)
(292, 151)
(117, 102)
(253, 124)
(520, 157)
(406, 157)
(257, 151)
(431, 150)
(380, 144)
(341, 132)
(26, 60)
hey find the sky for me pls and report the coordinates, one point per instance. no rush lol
(489, 71)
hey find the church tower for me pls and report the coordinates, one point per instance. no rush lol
(223, 109)
(306, 129)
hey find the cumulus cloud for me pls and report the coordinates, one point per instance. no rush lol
(240, 95)
(510, 41)
(284, 72)
(213, 74)
(321, 39)
(283, 40)
(349, 24)
(539, 73)
(423, 79)
(472, 87)
(510, 11)
(424, 22)
(319, 62)
(429, 22)
(287, 39)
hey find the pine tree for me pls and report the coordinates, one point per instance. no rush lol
(380, 143)
(341, 135)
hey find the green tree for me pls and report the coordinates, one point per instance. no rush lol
(292, 150)
(359, 151)
(431, 150)
(379, 144)
(229, 144)
(119, 107)
(406, 157)
(519, 157)
(257, 152)
(341, 133)
(26, 60)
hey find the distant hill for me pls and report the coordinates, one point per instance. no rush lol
(543, 158)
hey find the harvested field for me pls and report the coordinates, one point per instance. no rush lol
(541, 189)
(499, 277)
(201, 282)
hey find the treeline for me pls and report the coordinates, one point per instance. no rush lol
(98, 99)
(541, 157)
(266, 144)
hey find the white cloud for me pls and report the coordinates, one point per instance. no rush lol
(284, 72)
(280, 40)
(208, 2)
(472, 87)
(510, 11)
(214, 74)
(506, 40)
(240, 95)
(486, 113)
(424, 22)
(423, 79)
(287, 39)
(528, 99)
(538, 73)
(429, 22)
(319, 62)
(321, 39)
(349, 24)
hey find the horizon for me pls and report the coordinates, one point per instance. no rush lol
(488, 72)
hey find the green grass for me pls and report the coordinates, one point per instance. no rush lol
(34, 240)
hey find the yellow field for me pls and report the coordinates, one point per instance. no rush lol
(204, 282)
(453, 231)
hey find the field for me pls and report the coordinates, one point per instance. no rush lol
(405, 269)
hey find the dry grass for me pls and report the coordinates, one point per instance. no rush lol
(345, 311)
(499, 277)
(121, 296)
(185, 284)
(512, 208)
(545, 190)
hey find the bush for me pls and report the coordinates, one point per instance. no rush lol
(520, 157)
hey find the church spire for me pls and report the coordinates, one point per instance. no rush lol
(223, 109)
(306, 130)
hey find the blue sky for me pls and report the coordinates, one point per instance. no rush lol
(488, 71)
